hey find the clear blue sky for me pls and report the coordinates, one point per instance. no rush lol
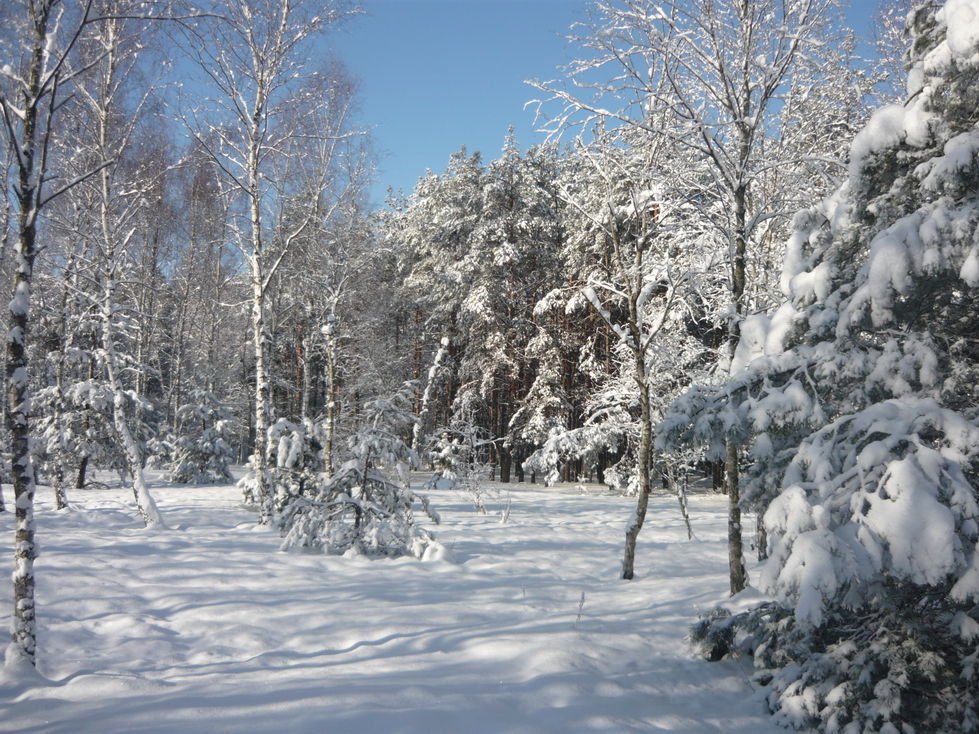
(439, 74)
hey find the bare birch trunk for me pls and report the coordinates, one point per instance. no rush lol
(680, 489)
(61, 452)
(426, 401)
(645, 450)
(114, 244)
(23, 622)
(328, 331)
(259, 459)
(23, 625)
(739, 577)
(644, 460)
(148, 510)
(305, 363)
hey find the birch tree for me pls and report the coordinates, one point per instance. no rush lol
(37, 41)
(112, 120)
(199, 290)
(720, 67)
(255, 58)
(638, 247)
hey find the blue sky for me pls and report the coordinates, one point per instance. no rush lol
(439, 74)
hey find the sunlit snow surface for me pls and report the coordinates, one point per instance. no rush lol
(206, 627)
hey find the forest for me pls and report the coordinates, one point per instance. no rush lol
(747, 259)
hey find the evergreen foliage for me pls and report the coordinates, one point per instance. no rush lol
(75, 427)
(298, 462)
(202, 453)
(366, 506)
(857, 407)
(460, 455)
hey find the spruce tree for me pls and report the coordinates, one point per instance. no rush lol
(366, 504)
(859, 414)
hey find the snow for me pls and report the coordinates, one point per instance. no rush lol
(885, 129)
(20, 304)
(924, 548)
(206, 627)
(754, 334)
(962, 20)
(959, 156)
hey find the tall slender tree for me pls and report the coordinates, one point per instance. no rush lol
(37, 43)
(255, 58)
(720, 67)
(112, 117)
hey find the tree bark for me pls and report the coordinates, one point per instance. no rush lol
(739, 577)
(644, 460)
(148, 510)
(259, 460)
(114, 243)
(82, 470)
(645, 451)
(23, 623)
(762, 539)
(331, 391)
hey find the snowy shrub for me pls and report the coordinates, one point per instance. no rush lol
(858, 417)
(201, 454)
(459, 454)
(297, 463)
(366, 506)
(75, 426)
(294, 463)
(618, 433)
(250, 486)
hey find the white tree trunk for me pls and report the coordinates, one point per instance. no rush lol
(330, 397)
(259, 457)
(426, 405)
(148, 510)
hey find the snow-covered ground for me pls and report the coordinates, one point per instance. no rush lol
(206, 627)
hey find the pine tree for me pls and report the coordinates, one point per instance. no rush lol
(366, 505)
(201, 453)
(860, 414)
(460, 452)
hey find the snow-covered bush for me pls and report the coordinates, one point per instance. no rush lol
(75, 426)
(858, 410)
(202, 454)
(296, 462)
(367, 504)
(460, 454)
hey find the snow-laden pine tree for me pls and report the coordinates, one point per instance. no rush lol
(460, 453)
(479, 249)
(297, 457)
(201, 452)
(859, 415)
(366, 504)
